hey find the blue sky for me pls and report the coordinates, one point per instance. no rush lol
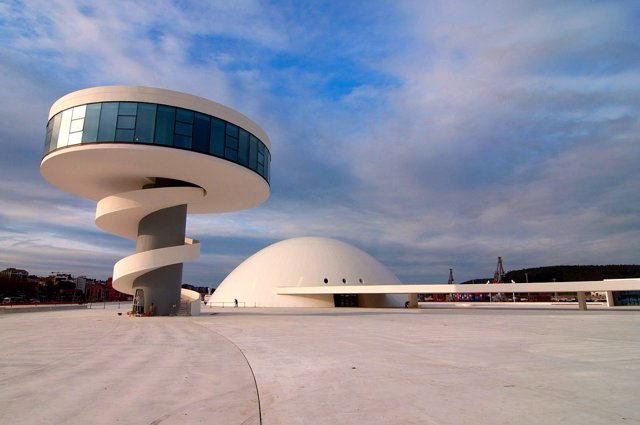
(431, 134)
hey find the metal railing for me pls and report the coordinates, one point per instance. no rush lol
(224, 304)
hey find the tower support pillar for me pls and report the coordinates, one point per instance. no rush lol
(161, 229)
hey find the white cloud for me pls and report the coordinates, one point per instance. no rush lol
(499, 128)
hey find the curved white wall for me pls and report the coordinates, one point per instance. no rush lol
(304, 261)
(194, 300)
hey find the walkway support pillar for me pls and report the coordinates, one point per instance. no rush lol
(610, 300)
(582, 300)
(413, 300)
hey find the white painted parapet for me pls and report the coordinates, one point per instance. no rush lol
(195, 304)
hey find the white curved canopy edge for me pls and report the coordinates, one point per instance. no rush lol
(78, 170)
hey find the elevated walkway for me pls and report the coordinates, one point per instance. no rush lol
(580, 288)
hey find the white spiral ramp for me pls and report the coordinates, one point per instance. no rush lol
(121, 214)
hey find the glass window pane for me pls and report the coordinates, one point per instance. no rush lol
(232, 130)
(243, 148)
(231, 154)
(267, 167)
(184, 116)
(123, 135)
(47, 139)
(75, 138)
(127, 108)
(65, 124)
(217, 137)
(78, 112)
(232, 142)
(260, 158)
(182, 141)
(108, 118)
(183, 128)
(55, 129)
(201, 132)
(91, 120)
(253, 153)
(145, 123)
(126, 122)
(55, 132)
(166, 116)
(76, 125)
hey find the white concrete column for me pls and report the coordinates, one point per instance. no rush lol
(413, 300)
(582, 300)
(610, 300)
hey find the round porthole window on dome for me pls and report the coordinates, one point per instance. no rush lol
(326, 280)
(360, 280)
(344, 280)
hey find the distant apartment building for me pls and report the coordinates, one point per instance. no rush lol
(14, 274)
(115, 295)
(103, 291)
(82, 282)
(96, 291)
(63, 277)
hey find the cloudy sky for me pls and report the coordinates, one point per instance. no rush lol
(431, 134)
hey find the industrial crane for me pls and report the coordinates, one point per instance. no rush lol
(498, 276)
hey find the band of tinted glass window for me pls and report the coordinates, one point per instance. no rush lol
(155, 124)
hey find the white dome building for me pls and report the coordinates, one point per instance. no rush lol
(307, 262)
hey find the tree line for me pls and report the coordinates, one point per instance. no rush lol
(573, 273)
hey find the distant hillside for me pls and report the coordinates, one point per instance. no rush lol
(568, 273)
(574, 273)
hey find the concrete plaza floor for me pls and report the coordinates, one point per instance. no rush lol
(493, 365)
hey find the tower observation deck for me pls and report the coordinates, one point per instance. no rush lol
(149, 156)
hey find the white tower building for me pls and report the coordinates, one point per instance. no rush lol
(148, 157)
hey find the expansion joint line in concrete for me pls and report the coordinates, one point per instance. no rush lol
(253, 375)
